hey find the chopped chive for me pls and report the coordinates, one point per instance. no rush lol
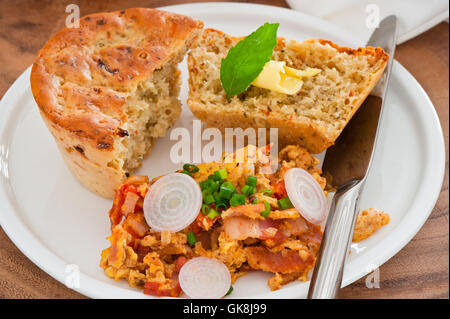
(205, 209)
(212, 214)
(266, 191)
(221, 174)
(229, 291)
(284, 203)
(191, 239)
(251, 181)
(266, 212)
(186, 172)
(191, 168)
(226, 190)
(237, 199)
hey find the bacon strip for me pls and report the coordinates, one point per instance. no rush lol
(130, 202)
(136, 225)
(251, 210)
(241, 228)
(285, 261)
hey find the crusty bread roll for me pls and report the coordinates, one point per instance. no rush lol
(314, 117)
(108, 89)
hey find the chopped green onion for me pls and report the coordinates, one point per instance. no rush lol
(214, 187)
(245, 190)
(266, 191)
(209, 199)
(186, 172)
(251, 181)
(237, 199)
(255, 200)
(221, 174)
(212, 214)
(205, 209)
(222, 204)
(205, 184)
(284, 203)
(209, 185)
(191, 239)
(191, 168)
(248, 190)
(266, 212)
(226, 190)
(229, 291)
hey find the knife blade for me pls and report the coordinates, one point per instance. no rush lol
(346, 165)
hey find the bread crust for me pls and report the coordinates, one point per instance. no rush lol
(303, 131)
(79, 75)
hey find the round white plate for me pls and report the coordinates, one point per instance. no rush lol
(61, 226)
(414, 17)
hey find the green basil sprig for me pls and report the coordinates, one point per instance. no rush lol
(245, 61)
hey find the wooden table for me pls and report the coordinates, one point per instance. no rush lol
(420, 270)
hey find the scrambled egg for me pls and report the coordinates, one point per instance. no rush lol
(282, 243)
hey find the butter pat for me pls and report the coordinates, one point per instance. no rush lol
(278, 77)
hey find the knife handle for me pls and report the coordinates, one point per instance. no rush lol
(336, 241)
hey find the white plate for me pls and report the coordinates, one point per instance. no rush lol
(56, 222)
(413, 16)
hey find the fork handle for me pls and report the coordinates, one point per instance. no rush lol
(327, 276)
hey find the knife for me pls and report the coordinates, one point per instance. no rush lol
(348, 162)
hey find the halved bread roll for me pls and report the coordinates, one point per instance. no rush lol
(314, 117)
(108, 89)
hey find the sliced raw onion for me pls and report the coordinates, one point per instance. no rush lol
(204, 277)
(306, 195)
(172, 203)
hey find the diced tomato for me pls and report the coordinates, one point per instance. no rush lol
(130, 185)
(142, 251)
(279, 190)
(154, 288)
(180, 263)
(203, 222)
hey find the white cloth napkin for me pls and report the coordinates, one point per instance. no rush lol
(356, 16)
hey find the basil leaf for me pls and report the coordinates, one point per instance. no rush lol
(245, 61)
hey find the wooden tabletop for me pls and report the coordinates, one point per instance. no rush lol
(419, 270)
